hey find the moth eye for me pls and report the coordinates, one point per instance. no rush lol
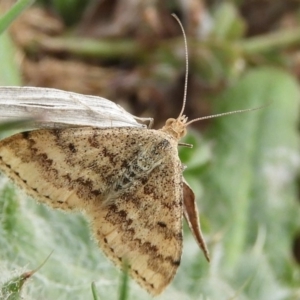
(170, 121)
(183, 132)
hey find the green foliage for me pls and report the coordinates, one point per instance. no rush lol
(9, 74)
(94, 291)
(228, 24)
(13, 13)
(248, 189)
(70, 11)
(11, 290)
(124, 290)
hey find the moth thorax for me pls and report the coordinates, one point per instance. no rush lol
(176, 127)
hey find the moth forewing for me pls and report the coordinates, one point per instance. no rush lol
(144, 224)
(74, 168)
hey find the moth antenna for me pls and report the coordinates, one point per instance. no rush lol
(186, 83)
(227, 113)
(186, 64)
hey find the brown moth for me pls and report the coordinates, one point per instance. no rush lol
(127, 180)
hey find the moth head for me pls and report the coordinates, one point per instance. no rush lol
(176, 127)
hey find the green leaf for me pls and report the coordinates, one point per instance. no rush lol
(124, 288)
(94, 291)
(250, 187)
(13, 13)
(228, 24)
(11, 290)
(70, 10)
(9, 72)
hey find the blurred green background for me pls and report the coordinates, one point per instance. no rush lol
(244, 169)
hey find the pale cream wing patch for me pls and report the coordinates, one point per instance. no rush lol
(80, 168)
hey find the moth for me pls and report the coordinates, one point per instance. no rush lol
(127, 180)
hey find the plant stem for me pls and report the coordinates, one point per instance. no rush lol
(271, 41)
(13, 13)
